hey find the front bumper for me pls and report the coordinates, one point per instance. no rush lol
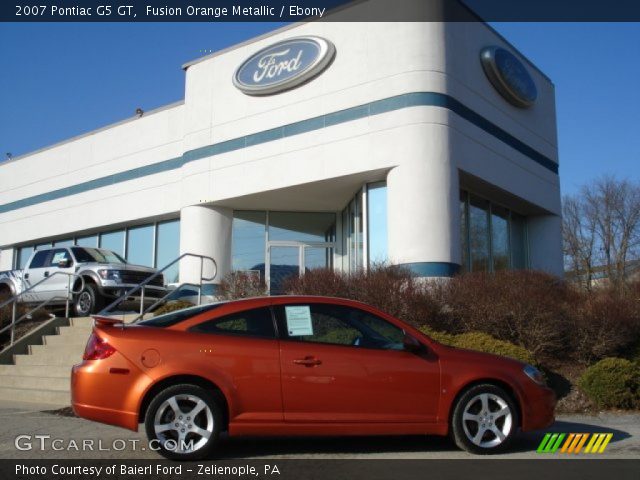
(538, 409)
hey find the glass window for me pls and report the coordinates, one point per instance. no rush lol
(23, 256)
(377, 222)
(479, 234)
(88, 241)
(173, 318)
(39, 259)
(492, 237)
(341, 325)
(302, 226)
(253, 323)
(63, 243)
(113, 241)
(352, 231)
(60, 255)
(518, 242)
(248, 240)
(92, 255)
(140, 245)
(464, 232)
(40, 246)
(499, 238)
(168, 249)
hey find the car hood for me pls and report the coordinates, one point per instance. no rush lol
(123, 266)
(481, 358)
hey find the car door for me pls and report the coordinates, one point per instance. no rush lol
(60, 260)
(343, 364)
(33, 274)
(244, 346)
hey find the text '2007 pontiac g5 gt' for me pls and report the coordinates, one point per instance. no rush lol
(299, 365)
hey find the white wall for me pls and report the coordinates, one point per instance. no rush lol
(423, 147)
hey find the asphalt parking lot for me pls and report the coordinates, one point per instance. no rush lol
(105, 442)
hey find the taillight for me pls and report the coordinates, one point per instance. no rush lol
(97, 349)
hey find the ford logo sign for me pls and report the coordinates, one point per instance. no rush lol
(283, 65)
(509, 76)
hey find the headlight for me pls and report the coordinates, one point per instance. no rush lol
(107, 274)
(534, 374)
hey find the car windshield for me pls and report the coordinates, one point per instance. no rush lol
(88, 255)
(171, 318)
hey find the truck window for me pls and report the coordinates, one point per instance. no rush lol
(58, 255)
(39, 259)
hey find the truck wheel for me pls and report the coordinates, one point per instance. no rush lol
(88, 301)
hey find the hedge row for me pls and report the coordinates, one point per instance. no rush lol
(533, 310)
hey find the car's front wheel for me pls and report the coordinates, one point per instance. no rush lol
(183, 422)
(88, 301)
(485, 420)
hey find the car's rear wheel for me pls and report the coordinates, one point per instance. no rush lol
(183, 422)
(485, 420)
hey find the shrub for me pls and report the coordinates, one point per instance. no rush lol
(172, 306)
(612, 383)
(526, 308)
(241, 285)
(391, 289)
(481, 342)
(605, 325)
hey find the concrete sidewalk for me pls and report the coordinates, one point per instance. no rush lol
(65, 437)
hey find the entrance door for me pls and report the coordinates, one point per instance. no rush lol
(287, 259)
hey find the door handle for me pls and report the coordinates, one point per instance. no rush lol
(308, 361)
(46, 274)
(26, 275)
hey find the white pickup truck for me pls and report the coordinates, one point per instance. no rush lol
(106, 277)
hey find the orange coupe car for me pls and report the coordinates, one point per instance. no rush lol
(299, 365)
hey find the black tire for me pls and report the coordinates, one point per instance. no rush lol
(88, 301)
(208, 419)
(481, 424)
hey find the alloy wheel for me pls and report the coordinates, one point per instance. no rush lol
(487, 420)
(183, 423)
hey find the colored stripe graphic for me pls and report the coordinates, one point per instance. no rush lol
(574, 442)
(551, 442)
(598, 442)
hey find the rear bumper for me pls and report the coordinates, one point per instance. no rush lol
(538, 409)
(99, 394)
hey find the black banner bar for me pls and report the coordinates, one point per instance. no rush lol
(281, 469)
(323, 10)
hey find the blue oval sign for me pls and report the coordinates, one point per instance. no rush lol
(509, 76)
(283, 65)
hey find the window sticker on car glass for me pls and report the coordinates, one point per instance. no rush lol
(298, 320)
(57, 258)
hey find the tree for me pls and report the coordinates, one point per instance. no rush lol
(601, 228)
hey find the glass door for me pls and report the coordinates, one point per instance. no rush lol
(284, 262)
(293, 258)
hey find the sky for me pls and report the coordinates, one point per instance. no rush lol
(61, 80)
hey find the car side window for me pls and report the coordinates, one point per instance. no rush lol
(59, 255)
(337, 325)
(252, 323)
(39, 259)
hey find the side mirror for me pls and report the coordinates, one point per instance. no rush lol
(64, 263)
(411, 344)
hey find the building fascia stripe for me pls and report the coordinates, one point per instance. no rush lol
(398, 102)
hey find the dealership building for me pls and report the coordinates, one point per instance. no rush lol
(323, 144)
